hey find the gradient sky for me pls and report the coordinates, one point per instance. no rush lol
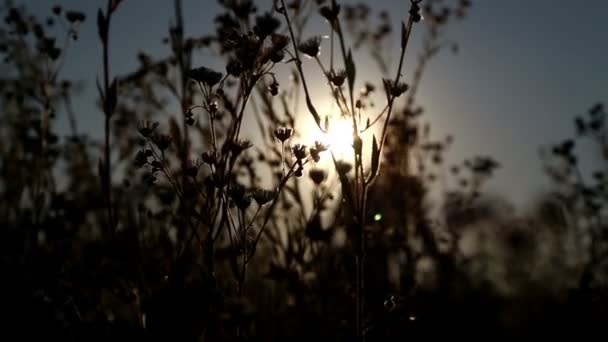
(525, 68)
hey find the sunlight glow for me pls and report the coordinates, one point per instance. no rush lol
(339, 138)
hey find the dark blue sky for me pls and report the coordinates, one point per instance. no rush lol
(525, 68)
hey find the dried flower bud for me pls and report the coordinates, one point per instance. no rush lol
(279, 41)
(358, 145)
(395, 89)
(237, 147)
(141, 159)
(265, 25)
(283, 133)
(74, 16)
(277, 56)
(205, 75)
(163, 141)
(311, 47)
(213, 107)
(316, 150)
(38, 31)
(238, 194)
(156, 165)
(597, 109)
(274, 89)
(317, 175)
(146, 128)
(299, 172)
(368, 89)
(264, 56)
(262, 196)
(299, 151)
(415, 12)
(343, 167)
(338, 78)
(234, 68)
(209, 157)
(330, 13)
(149, 178)
(191, 171)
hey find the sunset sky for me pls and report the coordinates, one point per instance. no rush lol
(524, 69)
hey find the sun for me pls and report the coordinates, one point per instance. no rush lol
(339, 138)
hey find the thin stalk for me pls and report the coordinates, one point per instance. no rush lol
(343, 48)
(182, 68)
(410, 24)
(297, 56)
(107, 183)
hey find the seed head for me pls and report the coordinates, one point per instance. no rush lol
(299, 151)
(343, 167)
(415, 12)
(263, 196)
(239, 195)
(205, 75)
(265, 25)
(234, 68)
(162, 141)
(209, 157)
(311, 47)
(317, 175)
(338, 78)
(283, 133)
(316, 150)
(237, 147)
(395, 89)
(330, 13)
(74, 16)
(141, 159)
(274, 89)
(146, 128)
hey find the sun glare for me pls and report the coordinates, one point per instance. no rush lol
(339, 138)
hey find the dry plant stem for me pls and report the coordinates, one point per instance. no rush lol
(358, 162)
(179, 194)
(350, 89)
(299, 63)
(376, 119)
(410, 24)
(359, 208)
(182, 73)
(71, 117)
(273, 205)
(107, 181)
(342, 98)
(247, 256)
(241, 113)
(331, 51)
(184, 98)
